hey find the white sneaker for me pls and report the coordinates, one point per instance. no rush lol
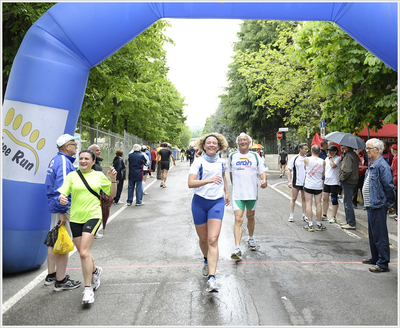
(212, 285)
(98, 236)
(291, 219)
(333, 219)
(88, 296)
(205, 269)
(252, 245)
(237, 254)
(96, 279)
(304, 218)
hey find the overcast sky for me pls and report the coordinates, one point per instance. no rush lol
(199, 62)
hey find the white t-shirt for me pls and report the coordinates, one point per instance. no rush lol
(205, 170)
(332, 175)
(296, 165)
(245, 169)
(314, 171)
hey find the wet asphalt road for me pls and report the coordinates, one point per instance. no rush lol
(152, 272)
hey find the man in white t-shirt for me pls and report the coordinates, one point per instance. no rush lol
(331, 185)
(296, 176)
(244, 166)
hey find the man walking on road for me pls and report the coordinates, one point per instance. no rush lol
(136, 162)
(282, 161)
(379, 195)
(163, 158)
(296, 182)
(348, 176)
(244, 166)
(58, 169)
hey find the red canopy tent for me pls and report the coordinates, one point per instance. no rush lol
(388, 133)
(317, 141)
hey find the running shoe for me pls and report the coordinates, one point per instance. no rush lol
(212, 285)
(237, 254)
(304, 218)
(66, 284)
(88, 296)
(96, 278)
(324, 218)
(51, 279)
(320, 228)
(309, 228)
(333, 219)
(252, 245)
(291, 219)
(205, 269)
(139, 204)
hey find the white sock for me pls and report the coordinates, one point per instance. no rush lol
(310, 223)
(143, 184)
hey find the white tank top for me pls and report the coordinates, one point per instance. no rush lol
(314, 171)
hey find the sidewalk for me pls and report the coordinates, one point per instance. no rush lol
(360, 213)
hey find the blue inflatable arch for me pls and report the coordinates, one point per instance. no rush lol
(49, 75)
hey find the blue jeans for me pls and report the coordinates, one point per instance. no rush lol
(348, 190)
(378, 236)
(139, 191)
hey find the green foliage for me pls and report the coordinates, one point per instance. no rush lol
(130, 91)
(18, 17)
(358, 87)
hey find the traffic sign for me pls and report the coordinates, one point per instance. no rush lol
(279, 135)
(284, 129)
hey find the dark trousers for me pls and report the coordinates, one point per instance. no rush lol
(120, 185)
(378, 236)
(348, 190)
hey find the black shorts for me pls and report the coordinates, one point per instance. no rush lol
(283, 162)
(164, 165)
(298, 187)
(331, 189)
(91, 226)
(312, 191)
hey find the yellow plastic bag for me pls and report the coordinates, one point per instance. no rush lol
(63, 243)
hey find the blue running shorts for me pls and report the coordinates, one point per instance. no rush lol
(204, 209)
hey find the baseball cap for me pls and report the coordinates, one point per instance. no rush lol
(62, 140)
(144, 147)
(394, 147)
(333, 147)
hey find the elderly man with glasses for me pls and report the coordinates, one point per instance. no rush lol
(58, 169)
(244, 167)
(379, 194)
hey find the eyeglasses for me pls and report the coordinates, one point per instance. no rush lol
(72, 144)
(369, 148)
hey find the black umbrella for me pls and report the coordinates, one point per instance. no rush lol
(346, 139)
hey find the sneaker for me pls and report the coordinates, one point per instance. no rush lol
(96, 278)
(291, 219)
(119, 203)
(205, 269)
(320, 228)
(280, 175)
(333, 219)
(164, 185)
(99, 236)
(139, 204)
(237, 254)
(252, 245)
(348, 227)
(128, 204)
(212, 285)
(66, 285)
(145, 193)
(393, 216)
(88, 296)
(309, 228)
(324, 218)
(51, 279)
(377, 269)
(304, 218)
